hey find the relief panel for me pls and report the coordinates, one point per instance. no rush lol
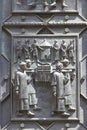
(34, 65)
(43, 63)
(43, 6)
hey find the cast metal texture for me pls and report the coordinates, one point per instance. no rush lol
(43, 64)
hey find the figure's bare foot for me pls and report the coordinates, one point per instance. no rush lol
(65, 114)
(36, 108)
(30, 113)
(64, 4)
(32, 4)
(71, 108)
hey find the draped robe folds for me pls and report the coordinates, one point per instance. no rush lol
(58, 92)
(27, 93)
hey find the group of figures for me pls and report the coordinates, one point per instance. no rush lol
(61, 76)
(62, 90)
(50, 4)
(64, 51)
(61, 51)
(25, 91)
(26, 50)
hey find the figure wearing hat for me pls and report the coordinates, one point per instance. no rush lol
(71, 51)
(58, 103)
(22, 89)
(63, 50)
(34, 50)
(31, 90)
(56, 48)
(68, 85)
(26, 50)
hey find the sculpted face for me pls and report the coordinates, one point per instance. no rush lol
(59, 66)
(22, 65)
(28, 63)
(65, 62)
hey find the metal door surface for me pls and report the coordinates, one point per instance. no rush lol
(43, 65)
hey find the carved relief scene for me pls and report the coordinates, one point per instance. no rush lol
(43, 65)
(43, 5)
(44, 78)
